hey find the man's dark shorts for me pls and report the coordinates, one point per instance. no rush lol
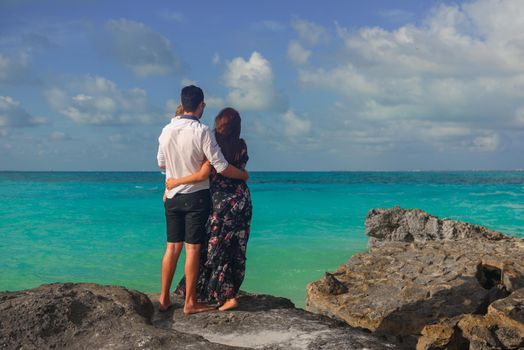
(186, 216)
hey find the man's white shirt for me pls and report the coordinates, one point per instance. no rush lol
(183, 146)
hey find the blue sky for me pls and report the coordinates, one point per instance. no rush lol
(330, 85)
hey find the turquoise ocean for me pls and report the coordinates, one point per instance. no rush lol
(108, 227)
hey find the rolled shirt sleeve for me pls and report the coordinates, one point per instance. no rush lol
(212, 151)
(160, 156)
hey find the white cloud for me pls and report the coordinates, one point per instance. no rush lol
(297, 54)
(309, 32)
(442, 131)
(487, 143)
(295, 125)
(12, 114)
(496, 20)
(406, 137)
(251, 84)
(99, 101)
(141, 49)
(452, 41)
(454, 81)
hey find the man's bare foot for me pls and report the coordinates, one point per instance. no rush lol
(163, 307)
(196, 308)
(229, 305)
(165, 304)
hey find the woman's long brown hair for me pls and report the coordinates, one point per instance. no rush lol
(227, 133)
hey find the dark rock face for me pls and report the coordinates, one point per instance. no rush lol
(421, 277)
(333, 286)
(501, 327)
(86, 316)
(90, 316)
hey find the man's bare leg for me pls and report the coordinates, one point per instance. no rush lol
(168, 270)
(191, 271)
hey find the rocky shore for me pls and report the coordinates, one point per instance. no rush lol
(91, 316)
(428, 283)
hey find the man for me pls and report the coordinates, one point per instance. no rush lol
(184, 144)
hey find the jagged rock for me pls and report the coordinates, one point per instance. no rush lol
(502, 326)
(420, 271)
(85, 316)
(91, 316)
(415, 225)
(442, 336)
(333, 286)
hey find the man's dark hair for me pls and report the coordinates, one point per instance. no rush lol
(191, 96)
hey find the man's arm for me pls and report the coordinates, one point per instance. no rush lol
(212, 151)
(217, 159)
(161, 160)
(160, 157)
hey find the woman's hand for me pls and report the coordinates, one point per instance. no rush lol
(172, 183)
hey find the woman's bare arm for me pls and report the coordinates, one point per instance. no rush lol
(201, 175)
(235, 173)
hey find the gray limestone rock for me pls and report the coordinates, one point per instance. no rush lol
(86, 316)
(410, 225)
(91, 316)
(267, 322)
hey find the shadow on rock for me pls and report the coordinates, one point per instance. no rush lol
(407, 322)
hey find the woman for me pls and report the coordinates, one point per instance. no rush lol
(223, 263)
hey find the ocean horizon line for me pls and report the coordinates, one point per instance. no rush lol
(281, 171)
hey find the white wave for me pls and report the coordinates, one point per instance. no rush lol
(497, 193)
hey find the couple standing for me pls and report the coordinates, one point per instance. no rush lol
(207, 205)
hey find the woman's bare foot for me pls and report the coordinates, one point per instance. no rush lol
(229, 305)
(196, 308)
